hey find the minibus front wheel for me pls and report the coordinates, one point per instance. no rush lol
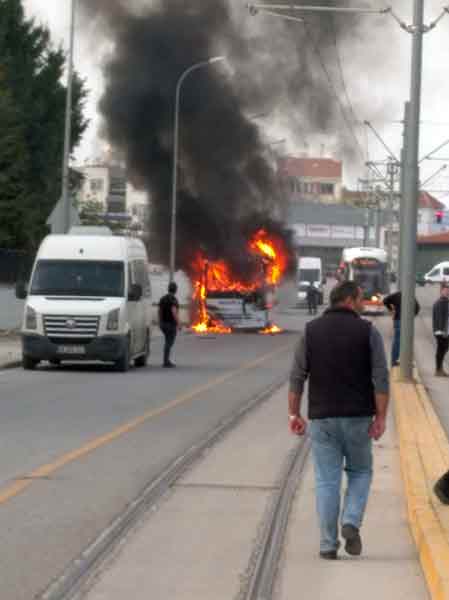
(122, 365)
(28, 363)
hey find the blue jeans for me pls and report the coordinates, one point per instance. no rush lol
(396, 346)
(337, 444)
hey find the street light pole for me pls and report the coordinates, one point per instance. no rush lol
(411, 189)
(65, 196)
(181, 80)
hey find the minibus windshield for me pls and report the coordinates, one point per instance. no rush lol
(78, 278)
(310, 275)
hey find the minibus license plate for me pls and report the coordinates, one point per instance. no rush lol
(71, 350)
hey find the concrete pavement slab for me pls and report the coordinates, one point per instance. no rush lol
(388, 568)
(199, 543)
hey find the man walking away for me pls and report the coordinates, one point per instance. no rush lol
(312, 299)
(169, 321)
(440, 314)
(393, 304)
(343, 357)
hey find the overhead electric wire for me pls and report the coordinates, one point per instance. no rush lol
(335, 92)
(342, 75)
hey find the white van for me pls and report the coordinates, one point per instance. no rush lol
(438, 274)
(89, 298)
(310, 272)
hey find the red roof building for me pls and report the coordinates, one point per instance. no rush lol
(426, 200)
(436, 239)
(312, 168)
(312, 179)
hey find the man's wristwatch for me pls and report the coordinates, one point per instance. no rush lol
(293, 417)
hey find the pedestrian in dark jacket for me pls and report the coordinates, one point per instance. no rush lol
(343, 357)
(440, 314)
(169, 322)
(393, 304)
(313, 296)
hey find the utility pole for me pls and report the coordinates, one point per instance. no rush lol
(366, 228)
(411, 195)
(402, 194)
(66, 200)
(391, 171)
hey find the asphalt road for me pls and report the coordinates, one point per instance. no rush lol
(79, 443)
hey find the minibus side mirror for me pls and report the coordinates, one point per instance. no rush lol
(135, 293)
(21, 290)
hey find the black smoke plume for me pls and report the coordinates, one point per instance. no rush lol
(227, 183)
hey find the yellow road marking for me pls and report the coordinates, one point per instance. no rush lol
(20, 485)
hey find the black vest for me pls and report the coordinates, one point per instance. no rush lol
(339, 362)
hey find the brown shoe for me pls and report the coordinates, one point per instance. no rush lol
(441, 373)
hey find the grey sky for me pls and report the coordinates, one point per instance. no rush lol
(378, 72)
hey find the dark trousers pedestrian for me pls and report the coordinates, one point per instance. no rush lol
(313, 305)
(169, 330)
(442, 349)
(396, 346)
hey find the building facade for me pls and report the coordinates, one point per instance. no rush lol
(315, 180)
(120, 203)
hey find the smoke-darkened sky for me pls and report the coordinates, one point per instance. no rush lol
(376, 63)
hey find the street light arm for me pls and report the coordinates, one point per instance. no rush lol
(272, 13)
(443, 14)
(255, 7)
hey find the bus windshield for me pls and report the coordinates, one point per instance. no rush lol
(372, 279)
(78, 278)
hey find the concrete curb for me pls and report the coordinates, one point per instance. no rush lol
(10, 365)
(424, 454)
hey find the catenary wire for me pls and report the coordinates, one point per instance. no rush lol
(333, 89)
(342, 76)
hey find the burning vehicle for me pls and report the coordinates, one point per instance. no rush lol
(225, 302)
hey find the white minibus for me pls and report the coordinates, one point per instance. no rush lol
(89, 298)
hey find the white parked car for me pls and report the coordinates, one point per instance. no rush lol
(438, 274)
(89, 298)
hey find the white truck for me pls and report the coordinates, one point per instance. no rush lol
(89, 298)
(309, 272)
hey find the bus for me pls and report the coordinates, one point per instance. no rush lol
(368, 267)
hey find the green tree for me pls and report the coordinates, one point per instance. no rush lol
(13, 169)
(33, 71)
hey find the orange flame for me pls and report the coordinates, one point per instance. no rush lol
(216, 276)
(271, 330)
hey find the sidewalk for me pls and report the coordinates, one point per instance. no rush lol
(199, 541)
(10, 350)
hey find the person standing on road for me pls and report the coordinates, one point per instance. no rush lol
(312, 299)
(440, 317)
(343, 356)
(393, 304)
(169, 321)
